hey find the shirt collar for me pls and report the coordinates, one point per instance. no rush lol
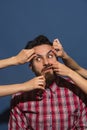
(53, 87)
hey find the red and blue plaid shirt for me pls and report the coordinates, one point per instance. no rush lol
(61, 107)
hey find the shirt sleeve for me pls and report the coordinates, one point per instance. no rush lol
(17, 119)
(82, 121)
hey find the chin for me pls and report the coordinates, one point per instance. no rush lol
(49, 77)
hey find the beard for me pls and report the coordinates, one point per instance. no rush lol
(50, 77)
(48, 73)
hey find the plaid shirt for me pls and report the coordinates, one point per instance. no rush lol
(61, 107)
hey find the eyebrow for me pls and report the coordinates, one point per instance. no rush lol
(50, 51)
(47, 53)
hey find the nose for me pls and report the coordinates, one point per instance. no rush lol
(45, 62)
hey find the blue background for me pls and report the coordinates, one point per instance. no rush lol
(23, 20)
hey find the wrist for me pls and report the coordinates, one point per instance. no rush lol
(65, 55)
(14, 60)
(71, 73)
(21, 87)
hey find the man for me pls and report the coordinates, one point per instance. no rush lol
(62, 106)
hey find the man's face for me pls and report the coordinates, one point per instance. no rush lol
(43, 60)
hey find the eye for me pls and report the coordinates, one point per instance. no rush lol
(50, 56)
(38, 59)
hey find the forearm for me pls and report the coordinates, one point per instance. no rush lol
(8, 62)
(82, 72)
(78, 80)
(11, 89)
(68, 61)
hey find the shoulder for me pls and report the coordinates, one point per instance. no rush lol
(66, 83)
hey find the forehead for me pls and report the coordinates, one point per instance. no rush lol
(42, 49)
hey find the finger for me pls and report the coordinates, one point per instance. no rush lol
(42, 77)
(31, 51)
(57, 44)
(55, 66)
(55, 70)
(31, 57)
(41, 82)
(55, 51)
(56, 41)
(40, 87)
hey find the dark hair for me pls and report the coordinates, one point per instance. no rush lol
(40, 40)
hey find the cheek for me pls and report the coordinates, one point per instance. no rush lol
(38, 66)
(52, 61)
